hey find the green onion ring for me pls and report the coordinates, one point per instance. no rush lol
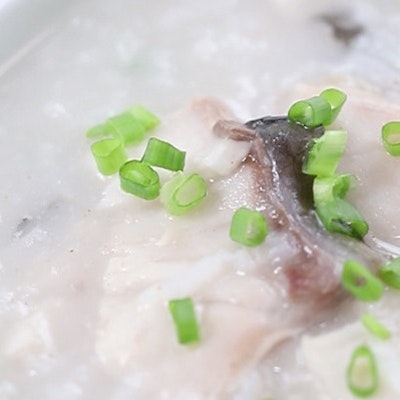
(360, 282)
(139, 179)
(248, 227)
(336, 98)
(391, 137)
(163, 154)
(183, 192)
(109, 155)
(311, 112)
(375, 327)
(362, 372)
(184, 317)
(390, 273)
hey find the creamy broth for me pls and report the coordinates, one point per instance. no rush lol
(86, 270)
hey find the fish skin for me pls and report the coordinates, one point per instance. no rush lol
(279, 149)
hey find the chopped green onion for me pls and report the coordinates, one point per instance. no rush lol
(184, 317)
(375, 327)
(391, 137)
(361, 282)
(325, 154)
(163, 154)
(125, 127)
(390, 273)
(109, 155)
(183, 192)
(147, 118)
(362, 372)
(336, 98)
(129, 126)
(311, 112)
(340, 216)
(97, 130)
(327, 188)
(139, 179)
(248, 227)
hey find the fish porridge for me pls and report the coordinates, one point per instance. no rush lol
(87, 271)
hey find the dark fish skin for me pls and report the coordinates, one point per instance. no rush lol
(286, 146)
(279, 149)
(345, 29)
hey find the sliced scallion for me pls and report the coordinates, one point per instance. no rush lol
(184, 317)
(109, 155)
(183, 192)
(390, 273)
(391, 137)
(127, 128)
(336, 98)
(338, 215)
(375, 327)
(362, 372)
(163, 154)
(325, 154)
(360, 282)
(311, 112)
(139, 179)
(327, 188)
(147, 118)
(248, 227)
(97, 130)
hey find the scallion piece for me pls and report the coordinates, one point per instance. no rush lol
(390, 273)
(362, 372)
(360, 282)
(147, 118)
(338, 215)
(139, 179)
(391, 137)
(336, 98)
(375, 327)
(325, 154)
(248, 227)
(328, 188)
(127, 128)
(183, 192)
(109, 155)
(163, 154)
(184, 317)
(97, 130)
(311, 112)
